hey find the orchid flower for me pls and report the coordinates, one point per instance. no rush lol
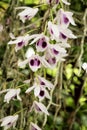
(39, 107)
(49, 60)
(58, 51)
(58, 33)
(9, 121)
(39, 91)
(11, 94)
(65, 18)
(45, 83)
(42, 44)
(34, 62)
(39, 87)
(20, 41)
(41, 41)
(34, 126)
(27, 13)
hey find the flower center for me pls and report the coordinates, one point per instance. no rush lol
(42, 83)
(66, 20)
(51, 31)
(52, 60)
(63, 36)
(55, 51)
(41, 93)
(44, 44)
(9, 123)
(20, 43)
(32, 62)
(35, 62)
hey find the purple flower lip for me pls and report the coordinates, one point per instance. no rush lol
(51, 31)
(35, 62)
(32, 62)
(9, 123)
(55, 51)
(27, 17)
(66, 20)
(42, 83)
(50, 1)
(42, 43)
(20, 43)
(37, 108)
(63, 36)
(52, 60)
(41, 93)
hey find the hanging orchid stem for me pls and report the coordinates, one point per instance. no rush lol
(21, 122)
(51, 94)
(20, 86)
(60, 88)
(20, 111)
(79, 62)
(36, 6)
(61, 3)
(28, 26)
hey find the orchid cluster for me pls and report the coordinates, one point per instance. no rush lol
(50, 49)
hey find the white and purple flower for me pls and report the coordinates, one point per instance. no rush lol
(59, 52)
(42, 44)
(59, 33)
(39, 107)
(39, 91)
(45, 83)
(9, 121)
(65, 18)
(12, 94)
(39, 87)
(20, 41)
(49, 60)
(27, 13)
(34, 62)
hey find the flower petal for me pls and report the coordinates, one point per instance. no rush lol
(30, 89)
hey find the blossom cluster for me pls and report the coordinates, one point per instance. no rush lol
(47, 55)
